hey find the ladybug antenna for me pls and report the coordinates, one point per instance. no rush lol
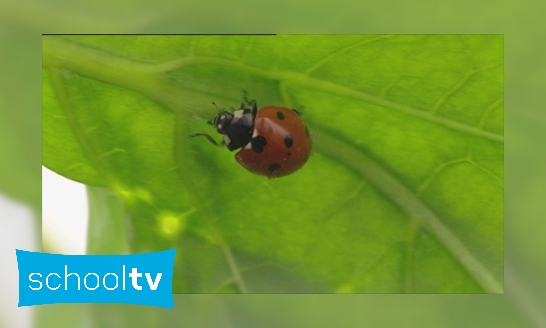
(212, 120)
(217, 109)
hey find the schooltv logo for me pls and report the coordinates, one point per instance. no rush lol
(144, 279)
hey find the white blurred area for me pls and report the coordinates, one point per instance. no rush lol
(64, 225)
(18, 230)
(64, 214)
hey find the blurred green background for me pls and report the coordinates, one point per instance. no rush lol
(21, 25)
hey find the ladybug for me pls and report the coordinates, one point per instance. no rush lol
(273, 141)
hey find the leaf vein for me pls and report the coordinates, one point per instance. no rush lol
(410, 204)
(134, 75)
(342, 51)
(488, 111)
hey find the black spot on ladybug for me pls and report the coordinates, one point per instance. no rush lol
(288, 140)
(306, 131)
(280, 116)
(274, 167)
(258, 143)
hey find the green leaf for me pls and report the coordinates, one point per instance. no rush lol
(20, 132)
(107, 222)
(403, 194)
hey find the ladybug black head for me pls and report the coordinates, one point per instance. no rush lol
(222, 122)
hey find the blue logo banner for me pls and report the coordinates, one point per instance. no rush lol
(144, 279)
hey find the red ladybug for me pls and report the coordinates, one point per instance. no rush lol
(273, 141)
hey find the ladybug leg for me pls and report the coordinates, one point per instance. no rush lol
(252, 103)
(206, 135)
(299, 111)
(254, 109)
(245, 97)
